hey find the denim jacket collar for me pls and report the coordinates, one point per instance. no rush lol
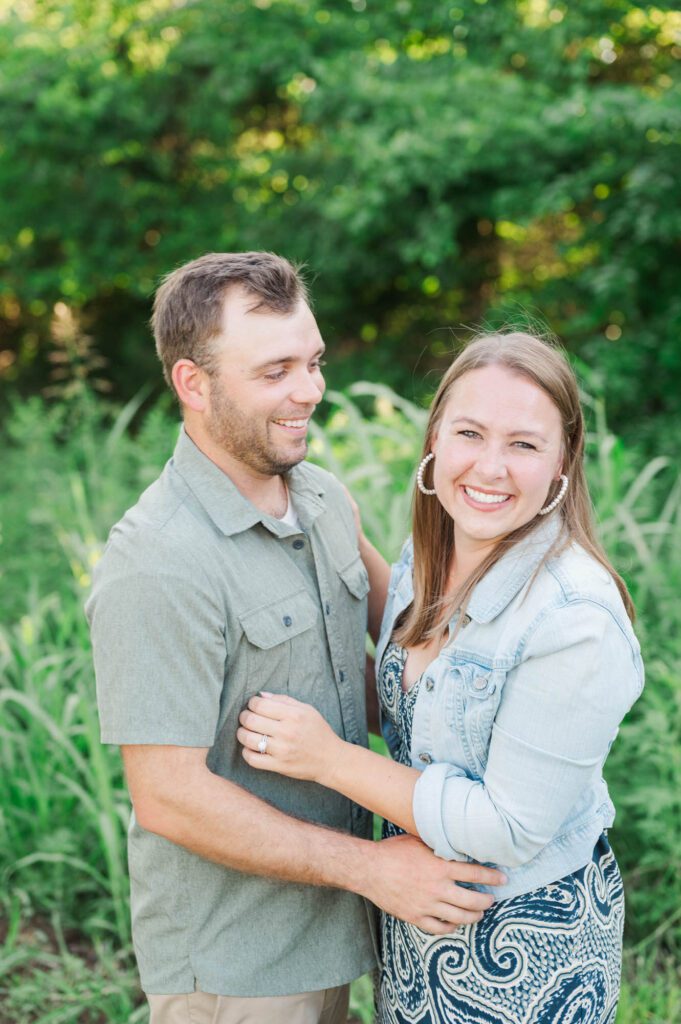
(510, 574)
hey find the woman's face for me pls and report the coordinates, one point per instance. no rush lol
(498, 449)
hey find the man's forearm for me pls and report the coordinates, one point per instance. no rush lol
(220, 821)
(176, 796)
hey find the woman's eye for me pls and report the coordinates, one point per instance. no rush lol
(318, 363)
(525, 445)
(469, 433)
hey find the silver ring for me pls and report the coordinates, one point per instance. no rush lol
(262, 744)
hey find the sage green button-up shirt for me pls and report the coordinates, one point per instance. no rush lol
(199, 601)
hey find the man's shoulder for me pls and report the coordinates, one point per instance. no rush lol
(319, 478)
(155, 534)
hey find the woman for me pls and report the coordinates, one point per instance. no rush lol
(506, 661)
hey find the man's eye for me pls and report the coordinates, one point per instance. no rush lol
(277, 375)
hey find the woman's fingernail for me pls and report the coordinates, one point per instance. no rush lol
(266, 693)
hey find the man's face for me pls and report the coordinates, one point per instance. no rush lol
(266, 386)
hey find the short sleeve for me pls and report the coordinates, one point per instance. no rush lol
(159, 652)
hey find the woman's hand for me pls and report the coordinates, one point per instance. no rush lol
(300, 743)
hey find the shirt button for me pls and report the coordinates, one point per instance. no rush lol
(327, 608)
(480, 683)
(287, 620)
(429, 684)
(341, 676)
(298, 544)
(425, 757)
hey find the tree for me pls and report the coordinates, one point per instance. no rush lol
(432, 163)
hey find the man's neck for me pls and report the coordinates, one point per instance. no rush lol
(268, 493)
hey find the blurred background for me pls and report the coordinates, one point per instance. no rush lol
(439, 167)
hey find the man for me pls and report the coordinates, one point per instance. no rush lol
(238, 571)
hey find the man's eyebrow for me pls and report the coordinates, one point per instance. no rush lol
(481, 426)
(285, 359)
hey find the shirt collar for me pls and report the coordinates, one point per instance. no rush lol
(231, 512)
(510, 574)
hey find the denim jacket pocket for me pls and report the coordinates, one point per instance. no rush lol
(472, 704)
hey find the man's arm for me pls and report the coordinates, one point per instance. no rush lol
(175, 795)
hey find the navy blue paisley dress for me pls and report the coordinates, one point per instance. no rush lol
(551, 956)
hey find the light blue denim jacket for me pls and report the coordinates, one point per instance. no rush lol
(515, 717)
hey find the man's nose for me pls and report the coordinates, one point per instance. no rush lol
(309, 389)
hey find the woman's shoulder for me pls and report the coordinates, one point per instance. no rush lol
(574, 587)
(577, 575)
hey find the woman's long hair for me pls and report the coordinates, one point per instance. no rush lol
(433, 528)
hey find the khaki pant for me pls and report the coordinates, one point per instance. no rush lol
(330, 1006)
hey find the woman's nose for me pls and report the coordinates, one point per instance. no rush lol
(491, 464)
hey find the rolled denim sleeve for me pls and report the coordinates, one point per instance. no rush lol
(558, 716)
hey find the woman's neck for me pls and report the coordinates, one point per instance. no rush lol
(466, 559)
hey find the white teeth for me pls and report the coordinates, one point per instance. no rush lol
(486, 499)
(292, 423)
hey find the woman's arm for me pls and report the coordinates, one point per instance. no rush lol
(559, 713)
(378, 570)
(301, 744)
(379, 578)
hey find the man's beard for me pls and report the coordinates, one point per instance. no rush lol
(233, 431)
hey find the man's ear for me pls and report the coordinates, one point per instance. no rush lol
(191, 384)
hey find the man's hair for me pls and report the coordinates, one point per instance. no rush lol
(189, 302)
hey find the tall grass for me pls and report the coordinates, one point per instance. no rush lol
(63, 807)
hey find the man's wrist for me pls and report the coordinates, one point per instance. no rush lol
(353, 869)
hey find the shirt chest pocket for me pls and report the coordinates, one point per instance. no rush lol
(283, 642)
(355, 578)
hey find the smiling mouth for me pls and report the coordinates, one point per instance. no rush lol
(300, 424)
(484, 498)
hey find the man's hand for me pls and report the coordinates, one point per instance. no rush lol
(407, 880)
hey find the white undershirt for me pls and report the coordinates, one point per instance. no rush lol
(290, 516)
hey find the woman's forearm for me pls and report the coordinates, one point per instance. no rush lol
(281, 734)
(376, 782)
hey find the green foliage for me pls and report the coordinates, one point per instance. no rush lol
(433, 163)
(75, 466)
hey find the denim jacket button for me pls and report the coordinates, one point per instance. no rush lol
(425, 757)
(480, 682)
(466, 620)
(429, 684)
